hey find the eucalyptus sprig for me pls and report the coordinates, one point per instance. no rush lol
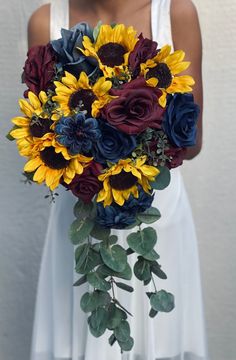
(104, 265)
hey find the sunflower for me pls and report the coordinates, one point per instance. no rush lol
(122, 179)
(112, 48)
(78, 95)
(160, 72)
(53, 163)
(34, 128)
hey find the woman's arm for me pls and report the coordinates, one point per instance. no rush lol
(186, 35)
(39, 26)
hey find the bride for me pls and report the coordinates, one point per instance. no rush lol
(60, 328)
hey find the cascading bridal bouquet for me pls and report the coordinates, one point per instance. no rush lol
(107, 115)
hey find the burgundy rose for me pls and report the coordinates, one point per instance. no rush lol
(144, 49)
(86, 185)
(39, 68)
(135, 109)
(177, 156)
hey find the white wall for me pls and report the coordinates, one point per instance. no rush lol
(209, 179)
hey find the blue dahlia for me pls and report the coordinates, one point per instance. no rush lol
(77, 133)
(114, 216)
(139, 205)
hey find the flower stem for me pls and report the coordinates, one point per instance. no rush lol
(154, 284)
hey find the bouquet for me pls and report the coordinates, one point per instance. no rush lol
(107, 115)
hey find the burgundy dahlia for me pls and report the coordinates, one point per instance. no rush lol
(39, 68)
(135, 109)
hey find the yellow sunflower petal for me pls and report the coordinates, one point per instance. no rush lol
(26, 108)
(32, 164)
(21, 121)
(20, 133)
(40, 173)
(179, 67)
(34, 101)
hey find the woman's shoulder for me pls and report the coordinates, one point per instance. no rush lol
(184, 22)
(39, 26)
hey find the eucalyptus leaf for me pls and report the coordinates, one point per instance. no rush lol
(98, 322)
(151, 255)
(142, 241)
(100, 232)
(83, 210)
(150, 216)
(142, 269)
(113, 239)
(81, 254)
(124, 286)
(146, 282)
(92, 260)
(105, 271)
(162, 301)
(82, 280)
(156, 269)
(126, 345)
(80, 230)
(162, 179)
(96, 30)
(91, 301)
(114, 257)
(98, 282)
(153, 313)
(122, 332)
(116, 315)
(112, 339)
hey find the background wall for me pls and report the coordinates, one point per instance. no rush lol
(209, 179)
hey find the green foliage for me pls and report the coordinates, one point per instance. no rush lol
(150, 216)
(96, 30)
(114, 257)
(91, 301)
(88, 260)
(126, 274)
(162, 180)
(162, 301)
(80, 230)
(100, 232)
(142, 241)
(98, 282)
(83, 210)
(122, 331)
(115, 317)
(98, 321)
(156, 269)
(82, 280)
(124, 286)
(142, 269)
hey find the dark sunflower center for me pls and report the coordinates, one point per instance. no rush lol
(82, 99)
(52, 159)
(39, 126)
(162, 73)
(122, 181)
(112, 54)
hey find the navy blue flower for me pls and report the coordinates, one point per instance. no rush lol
(77, 133)
(113, 144)
(114, 216)
(71, 58)
(180, 120)
(139, 205)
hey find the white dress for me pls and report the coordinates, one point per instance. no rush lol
(60, 327)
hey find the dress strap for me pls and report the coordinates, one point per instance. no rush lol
(59, 17)
(161, 22)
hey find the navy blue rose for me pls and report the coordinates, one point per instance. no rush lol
(139, 205)
(180, 120)
(113, 144)
(114, 217)
(77, 133)
(71, 58)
